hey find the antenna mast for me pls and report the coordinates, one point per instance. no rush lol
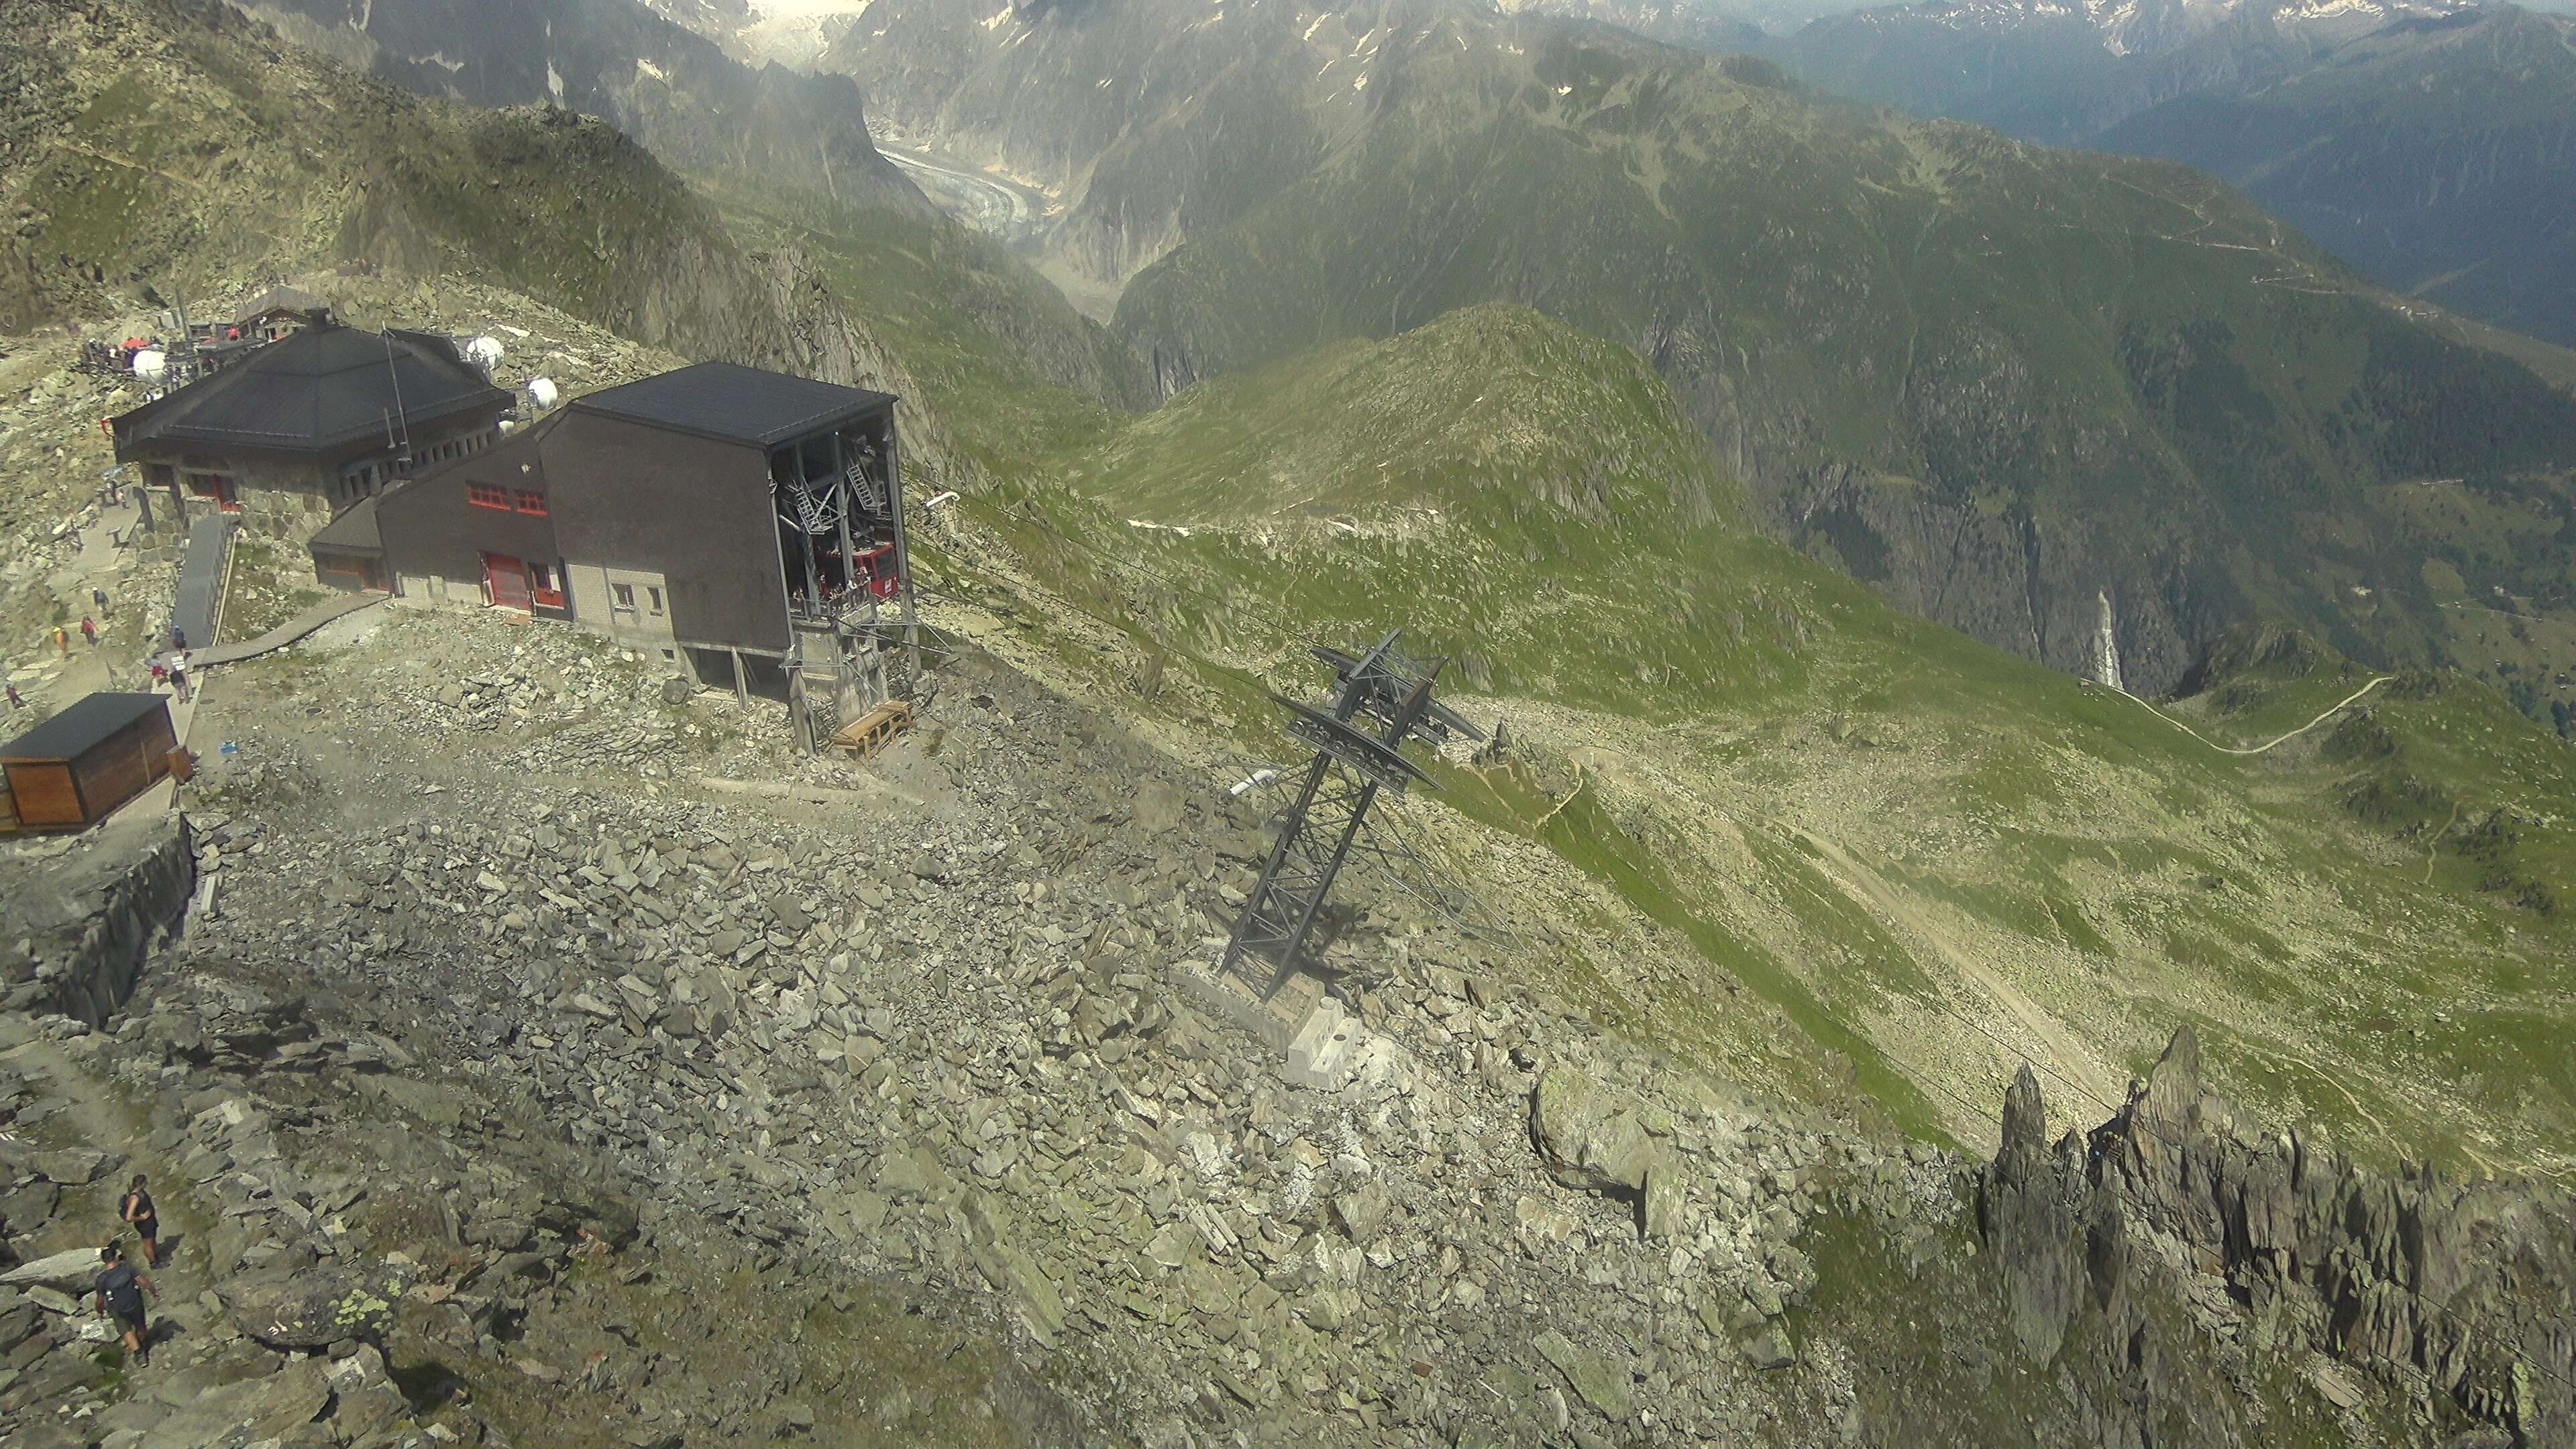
(402, 450)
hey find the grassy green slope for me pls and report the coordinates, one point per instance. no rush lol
(1924, 855)
(2185, 402)
(166, 146)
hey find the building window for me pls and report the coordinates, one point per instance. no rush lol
(355, 484)
(532, 503)
(655, 595)
(544, 587)
(485, 495)
(623, 595)
(217, 487)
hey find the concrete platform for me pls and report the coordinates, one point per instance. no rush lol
(1318, 1043)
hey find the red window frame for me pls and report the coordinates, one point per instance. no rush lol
(488, 495)
(532, 503)
(545, 585)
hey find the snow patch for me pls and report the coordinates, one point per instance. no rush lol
(1311, 29)
(554, 81)
(1000, 17)
(655, 71)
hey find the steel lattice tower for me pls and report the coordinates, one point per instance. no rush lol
(1383, 698)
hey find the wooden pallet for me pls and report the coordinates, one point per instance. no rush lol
(874, 730)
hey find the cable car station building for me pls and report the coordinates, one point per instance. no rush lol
(746, 526)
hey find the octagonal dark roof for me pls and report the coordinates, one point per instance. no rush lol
(319, 390)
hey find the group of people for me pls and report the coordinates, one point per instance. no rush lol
(118, 1290)
(120, 1286)
(169, 667)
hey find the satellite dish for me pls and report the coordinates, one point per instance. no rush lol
(542, 392)
(151, 363)
(485, 352)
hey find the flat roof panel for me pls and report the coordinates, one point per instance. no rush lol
(81, 725)
(749, 405)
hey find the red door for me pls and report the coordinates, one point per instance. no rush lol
(505, 581)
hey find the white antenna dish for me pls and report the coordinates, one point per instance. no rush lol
(541, 391)
(151, 364)
(485, 352)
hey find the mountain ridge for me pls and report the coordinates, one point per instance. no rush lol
(668, 86)
(1941, 405)
(2433, 145)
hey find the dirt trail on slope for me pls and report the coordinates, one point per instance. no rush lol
(2328, 713)
(95, 1119)
(2066, 1058)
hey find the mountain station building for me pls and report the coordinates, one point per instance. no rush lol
(743, 526)
(302, 428)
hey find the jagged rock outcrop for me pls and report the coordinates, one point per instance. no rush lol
(2443, 1288)
(2023, 1216)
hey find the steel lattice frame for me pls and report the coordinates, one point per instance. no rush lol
(1384, 697)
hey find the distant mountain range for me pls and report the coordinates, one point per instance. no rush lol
(2021, 391)
(2011, 386)
(2430, 143)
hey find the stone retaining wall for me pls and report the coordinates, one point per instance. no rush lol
(81, 921)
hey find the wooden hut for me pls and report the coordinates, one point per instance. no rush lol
(73, 770)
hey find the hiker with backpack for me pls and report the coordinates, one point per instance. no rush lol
(120, 1291)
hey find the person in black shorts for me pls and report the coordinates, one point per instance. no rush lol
(137, 1212)
(121, 1287)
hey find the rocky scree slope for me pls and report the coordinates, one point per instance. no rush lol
(810, 1080)
(341, 1230)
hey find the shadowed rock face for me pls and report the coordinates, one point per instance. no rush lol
(2469, 1284)
(696, 107)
